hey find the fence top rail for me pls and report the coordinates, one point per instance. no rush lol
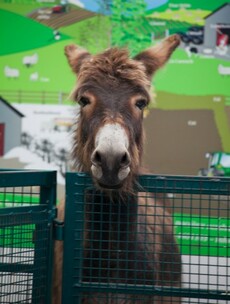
(164, 184)
(153, 289)
(23, 178)
(29, 96)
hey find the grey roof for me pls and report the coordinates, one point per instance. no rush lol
(10, 106)
(216, 10)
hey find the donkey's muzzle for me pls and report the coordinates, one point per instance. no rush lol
(115, 161)
(110, 158)
(110, 169)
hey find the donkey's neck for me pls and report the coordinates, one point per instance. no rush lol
(113, 249)
(110, 232)
(112, 218)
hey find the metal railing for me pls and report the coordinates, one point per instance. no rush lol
(41, 97)
(101, 267)
(104, 260)
(27, 211)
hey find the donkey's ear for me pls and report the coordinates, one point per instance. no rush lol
(156, 56)
(76, 56)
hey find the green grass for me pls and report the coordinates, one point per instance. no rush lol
(21, 34)
(200, 77)
(54, 73)
(52, 67)
(182, 15)
(195, 86)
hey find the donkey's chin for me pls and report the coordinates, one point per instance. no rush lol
(107, 181)
(109, 187)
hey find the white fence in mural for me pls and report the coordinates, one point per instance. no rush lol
(35, 97)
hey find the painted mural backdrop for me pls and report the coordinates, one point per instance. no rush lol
(190, 115)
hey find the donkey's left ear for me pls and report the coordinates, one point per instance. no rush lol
(76, 56)
(156, 56)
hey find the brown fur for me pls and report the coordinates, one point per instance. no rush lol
(113, 83)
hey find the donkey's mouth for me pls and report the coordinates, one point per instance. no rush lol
(109, 179)
(110, 187)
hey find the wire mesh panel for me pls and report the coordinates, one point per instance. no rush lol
(169, 242)
(27, 201)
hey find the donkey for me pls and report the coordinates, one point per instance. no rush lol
(137, 245)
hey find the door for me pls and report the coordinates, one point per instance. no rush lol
(2, 128)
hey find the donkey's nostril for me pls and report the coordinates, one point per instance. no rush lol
(96, 158)
(116, 161)
(125, 160)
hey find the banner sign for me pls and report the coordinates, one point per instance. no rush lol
(201, 235)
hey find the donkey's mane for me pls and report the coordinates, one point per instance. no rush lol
(112, 66)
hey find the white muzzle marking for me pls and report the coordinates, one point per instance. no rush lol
(111, 141)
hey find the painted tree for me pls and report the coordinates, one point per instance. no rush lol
(130, 27)
(104, 6)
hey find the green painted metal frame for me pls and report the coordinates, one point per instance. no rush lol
(76, 186)
(45, 212)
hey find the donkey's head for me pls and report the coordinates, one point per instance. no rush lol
(112, 91)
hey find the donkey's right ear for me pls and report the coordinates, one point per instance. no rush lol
(76, 56)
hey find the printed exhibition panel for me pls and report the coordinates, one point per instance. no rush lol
(189, 116)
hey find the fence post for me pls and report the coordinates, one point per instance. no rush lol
(60, 98)
(47, 197)
(43, 97)
(19, 96)
(27, 231)
(73, 239)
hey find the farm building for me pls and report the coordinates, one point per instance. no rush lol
(217, 27)
(10, 126)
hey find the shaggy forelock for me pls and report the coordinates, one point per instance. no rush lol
(114, 65)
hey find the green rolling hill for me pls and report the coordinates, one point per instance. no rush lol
(209, 5)
(22, 34)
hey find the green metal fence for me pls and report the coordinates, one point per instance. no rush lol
(27, 211)
(201, 216)
(98, 271)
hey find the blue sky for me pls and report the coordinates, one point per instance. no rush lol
(92, 4)
(155, 3)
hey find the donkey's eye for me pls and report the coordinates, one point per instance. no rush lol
(141, 104)
(83, 101)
